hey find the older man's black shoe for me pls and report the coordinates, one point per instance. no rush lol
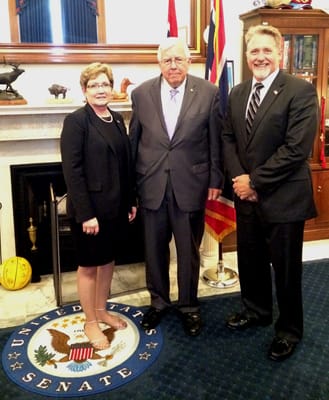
(241, 321)
(281, 349)
(152, 318)
(192, 323)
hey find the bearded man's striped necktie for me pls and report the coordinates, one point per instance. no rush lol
(253, 106)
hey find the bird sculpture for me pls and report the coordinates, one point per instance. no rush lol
(122, 95)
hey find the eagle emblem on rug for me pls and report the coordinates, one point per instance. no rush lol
(76, 354)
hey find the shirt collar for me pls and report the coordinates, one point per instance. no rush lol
(267, 82)
(167, 87)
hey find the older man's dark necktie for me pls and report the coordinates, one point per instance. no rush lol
(253, 106)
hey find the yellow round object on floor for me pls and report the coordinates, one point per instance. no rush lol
(15, 273)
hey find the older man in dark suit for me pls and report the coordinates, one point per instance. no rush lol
(175, 135)
(271, 124)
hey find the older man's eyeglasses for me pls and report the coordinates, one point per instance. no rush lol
(177, 60)
(95, 86)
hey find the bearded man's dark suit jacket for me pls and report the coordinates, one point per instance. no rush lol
(191, 159)
(275, 156)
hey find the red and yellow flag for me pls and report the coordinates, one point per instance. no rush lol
(220, 215)
(220, 218)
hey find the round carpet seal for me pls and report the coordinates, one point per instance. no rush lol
(51, 355)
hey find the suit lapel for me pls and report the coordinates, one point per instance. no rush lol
(99, 125)
(191, 91)
(244, 103)
(241, 107)
(155, 93)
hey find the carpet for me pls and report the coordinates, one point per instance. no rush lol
(220, 364)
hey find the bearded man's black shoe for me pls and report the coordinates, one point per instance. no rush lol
(281, 349)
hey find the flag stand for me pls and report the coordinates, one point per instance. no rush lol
(220, 277)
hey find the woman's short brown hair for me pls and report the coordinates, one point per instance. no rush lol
(93, 70)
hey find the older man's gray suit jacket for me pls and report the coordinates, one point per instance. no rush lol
(192, 157)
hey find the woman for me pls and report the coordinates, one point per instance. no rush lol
(96, 159)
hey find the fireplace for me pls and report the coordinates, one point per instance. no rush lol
(32, 221)
(32, 224)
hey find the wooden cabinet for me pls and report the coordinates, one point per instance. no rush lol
(305, 50)
(317, 228)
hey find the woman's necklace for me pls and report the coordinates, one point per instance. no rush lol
(105, 119)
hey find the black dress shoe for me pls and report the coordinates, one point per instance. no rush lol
(241, 321)
(152, 318)
(281, 349)
(192, 323)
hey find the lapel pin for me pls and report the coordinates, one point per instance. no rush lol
(275, 92)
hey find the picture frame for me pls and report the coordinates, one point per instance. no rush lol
(230, 74)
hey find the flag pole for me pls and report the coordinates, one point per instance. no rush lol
(220, 277)
(216, 72)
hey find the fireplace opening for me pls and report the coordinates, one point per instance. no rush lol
(31, 205)
(32, 221)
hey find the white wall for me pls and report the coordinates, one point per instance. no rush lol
(34, 83)
(4, 22)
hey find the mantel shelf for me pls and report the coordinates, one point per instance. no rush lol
(54, 108)
(42, 121)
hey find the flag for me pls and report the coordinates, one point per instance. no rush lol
(323, 133)
(216, 64)
(220, 218)
(172, 20)
(220, 215)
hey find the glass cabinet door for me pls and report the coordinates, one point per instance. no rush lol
(300, 56)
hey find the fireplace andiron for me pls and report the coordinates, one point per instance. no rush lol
(32, 230)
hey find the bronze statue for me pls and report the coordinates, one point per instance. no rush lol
(7, 78)
(56, 89)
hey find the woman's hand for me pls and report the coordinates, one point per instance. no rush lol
(91, 226)
(132, 214)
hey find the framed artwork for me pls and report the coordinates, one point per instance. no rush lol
(230, 74)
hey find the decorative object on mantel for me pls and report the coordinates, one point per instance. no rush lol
(10, 96)
(56, 90)
(284, 4)
(122, 95)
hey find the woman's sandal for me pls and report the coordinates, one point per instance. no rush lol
(100, 343)
(119, 324)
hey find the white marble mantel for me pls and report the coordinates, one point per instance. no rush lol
(37, 122)
(30, 134)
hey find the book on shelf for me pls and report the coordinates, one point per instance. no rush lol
(305, 56)
(285, 60)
